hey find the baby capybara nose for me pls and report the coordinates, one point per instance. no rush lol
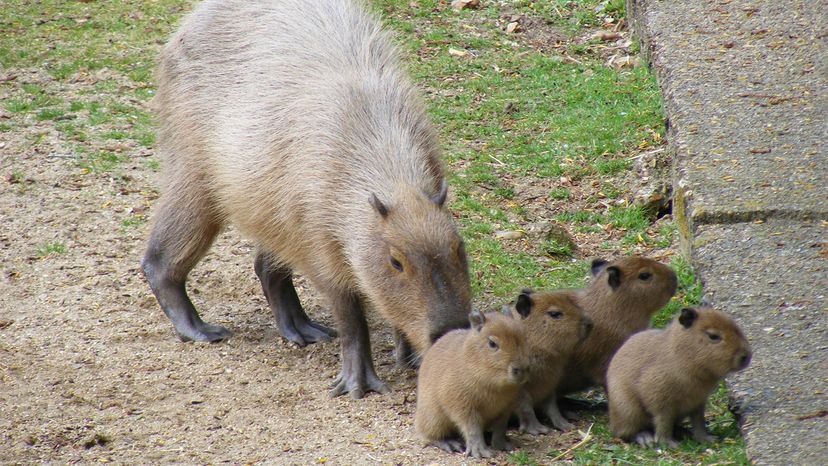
(519, 373)
(744, 361)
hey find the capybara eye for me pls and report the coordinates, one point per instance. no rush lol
(714, 338)
(395, 263)
(555, 314)
(493, 344)
(645, 276)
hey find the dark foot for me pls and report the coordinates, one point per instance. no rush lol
(555, 417)
(534, 427)
(357, 376)
(645, 439)
(303, 331)
(357, 385)
(291, 320)
(172, 296)
(203, 332)
(450, 445)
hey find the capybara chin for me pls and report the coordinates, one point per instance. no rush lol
(293, 121)
(659, 377)
(468, 383)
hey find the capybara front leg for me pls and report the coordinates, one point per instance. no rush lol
(525, 411)
(357, 375)
(700, 433)
(403, 353)
(293, 323)
(180, 237)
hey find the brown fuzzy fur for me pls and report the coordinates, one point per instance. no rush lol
(617, 313)
(465, 386)
(292, 121)
(659, 377)
(555, 326)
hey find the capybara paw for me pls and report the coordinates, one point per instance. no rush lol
(561, 424)
(704, 437)
(666, 442)
(504, 445)
(479, 451)
(204, 332)
(449, 445)
(306, 332)
(645, 439)
(355, 388)
(535, 428)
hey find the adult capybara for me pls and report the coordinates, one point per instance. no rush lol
(659, 377)
(293, 121)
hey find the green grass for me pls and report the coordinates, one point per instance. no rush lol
(114, 50)
(48, 249)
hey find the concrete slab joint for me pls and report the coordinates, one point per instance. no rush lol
(745, 86)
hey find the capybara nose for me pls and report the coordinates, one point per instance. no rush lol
(519, 374)
(744, 361)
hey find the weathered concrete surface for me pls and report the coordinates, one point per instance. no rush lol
(745, 86)
(773, 278)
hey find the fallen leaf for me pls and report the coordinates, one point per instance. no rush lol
(607, 36)
(512, 27)
(458, 5)
(623, 61)
(507, 234)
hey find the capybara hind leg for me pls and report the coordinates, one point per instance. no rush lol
(181, 235)
(554, 414)
(451, 445)
(293, 323)
(357, 375)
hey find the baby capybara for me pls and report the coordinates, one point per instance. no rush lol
(468, 383)
(659, 377)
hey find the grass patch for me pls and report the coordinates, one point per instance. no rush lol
(48, 249)
(99, 162)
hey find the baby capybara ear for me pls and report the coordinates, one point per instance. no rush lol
(524, 303)
(613, 277)
(597, 266)
(687, 317)
(477, 319)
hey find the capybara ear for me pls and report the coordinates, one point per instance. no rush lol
(597, 266)
(440, 198)
(688, 316)
(379, 206)
(614, 277)
(524, 303)
(506, 310)
(477, 319)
